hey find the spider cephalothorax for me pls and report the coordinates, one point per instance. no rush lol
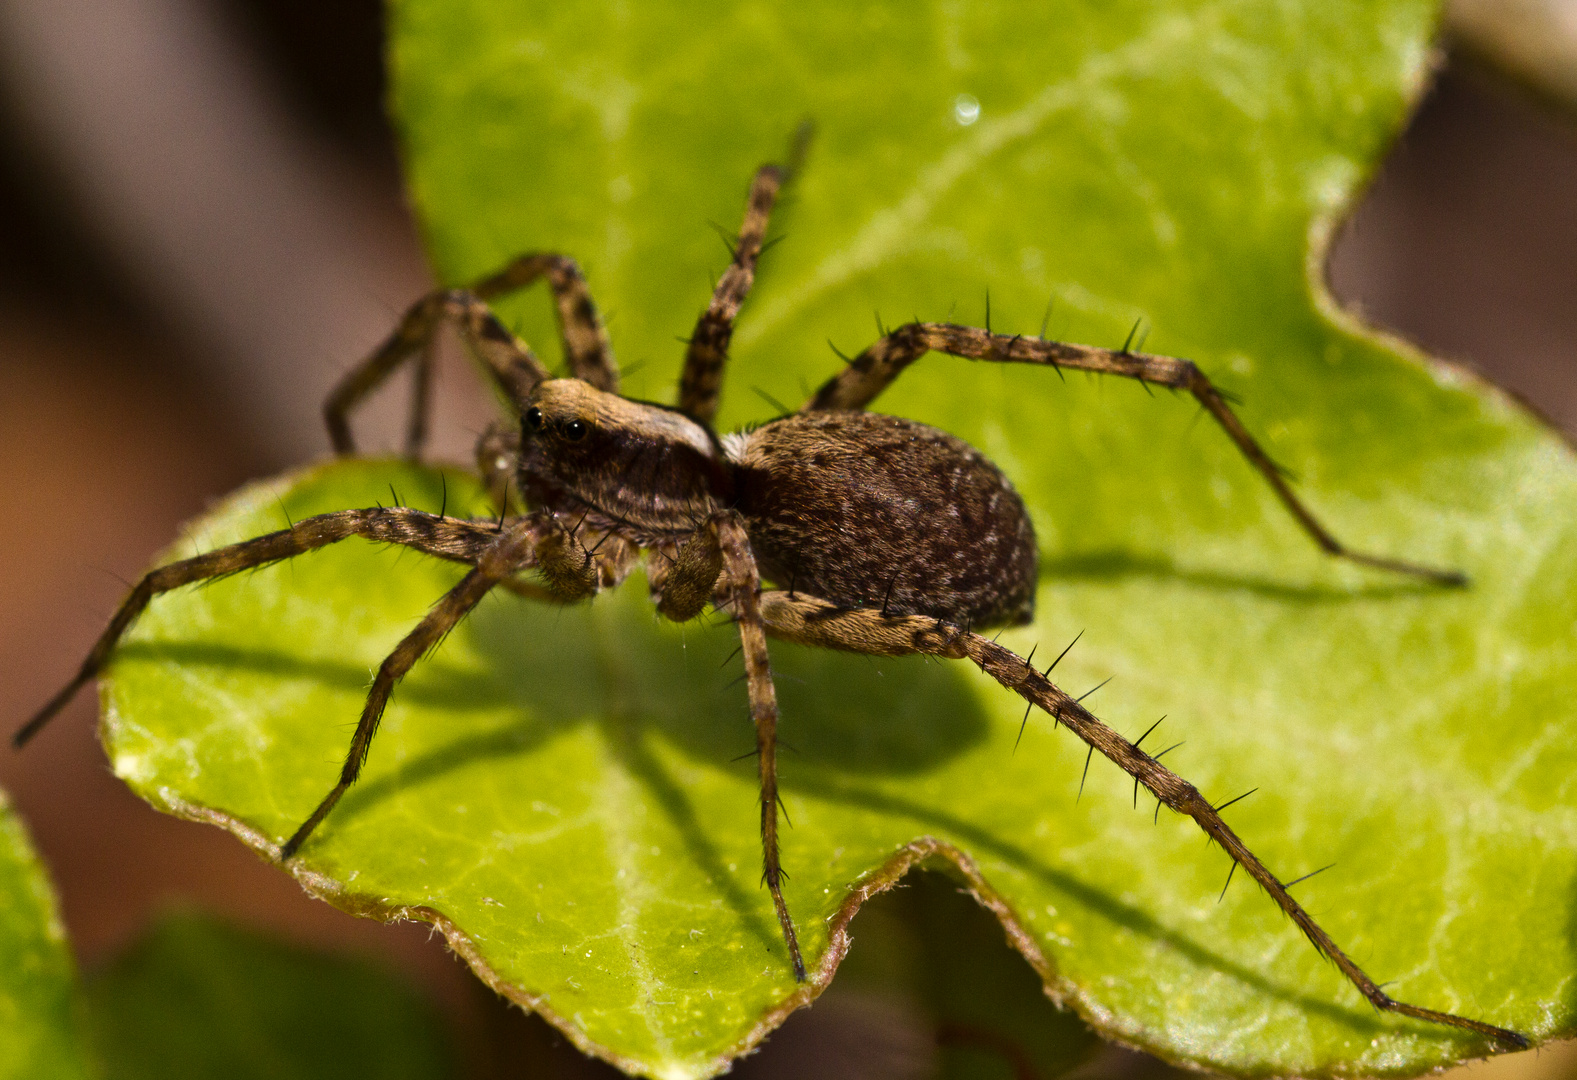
(832, 526)
(650, 471)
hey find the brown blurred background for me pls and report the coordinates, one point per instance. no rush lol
(201, 225)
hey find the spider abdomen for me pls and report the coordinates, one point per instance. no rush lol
(866, 510)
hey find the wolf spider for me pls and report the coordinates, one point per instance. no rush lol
(885, 536)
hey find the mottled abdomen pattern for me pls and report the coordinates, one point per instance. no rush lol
(866, 510)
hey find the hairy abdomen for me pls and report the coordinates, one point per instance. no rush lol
(866, 510)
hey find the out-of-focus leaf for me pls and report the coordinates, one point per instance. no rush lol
(40, 1018)
(198, 999)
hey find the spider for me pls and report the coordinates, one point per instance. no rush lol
(883, 536)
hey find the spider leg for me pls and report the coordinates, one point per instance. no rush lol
(530, 590)
(719, 554)
(507, 553)
(585, 343)
(498, 460)
(511, 364)
(445, 537)
(810, 621)
(586, 347)
(701, 383)
(874, 370)
(421, 403)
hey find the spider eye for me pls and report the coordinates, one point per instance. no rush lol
(575, 430)
(533, 418)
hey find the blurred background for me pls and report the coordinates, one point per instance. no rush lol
(202, 226)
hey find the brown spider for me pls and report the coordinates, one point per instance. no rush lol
(888, 537)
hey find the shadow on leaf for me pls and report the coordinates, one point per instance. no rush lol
(1112, 565)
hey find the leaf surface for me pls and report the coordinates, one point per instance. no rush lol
(559, 789)
(40, 1018)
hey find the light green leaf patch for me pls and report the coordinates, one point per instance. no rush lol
(558, 789)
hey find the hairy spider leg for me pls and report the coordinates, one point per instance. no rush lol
(571, 572)
(584, 339)
(498, 461)
(858, 384)
(716, 563)
(740, 589)
(447, 538)
(420, 407)
(700, 385)
(511, 551)
(811, 621)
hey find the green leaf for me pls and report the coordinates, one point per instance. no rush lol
(40, 1018)
(557, 789)
(202, 1000)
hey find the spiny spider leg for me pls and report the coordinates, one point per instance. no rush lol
(586, 347)
(498, 462)
(447, 538)
(421, 402)
(815, 622)
(511, 364)
(738, 590)
(508, 553)
(585, 343)
(701, 383)
(874, 369)
(716, 562)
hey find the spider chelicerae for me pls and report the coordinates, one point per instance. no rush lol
(881, 535)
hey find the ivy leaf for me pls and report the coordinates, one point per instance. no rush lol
(199, 999)
(39, 1014)
(557, 789)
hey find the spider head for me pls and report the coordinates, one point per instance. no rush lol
(640, 463)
